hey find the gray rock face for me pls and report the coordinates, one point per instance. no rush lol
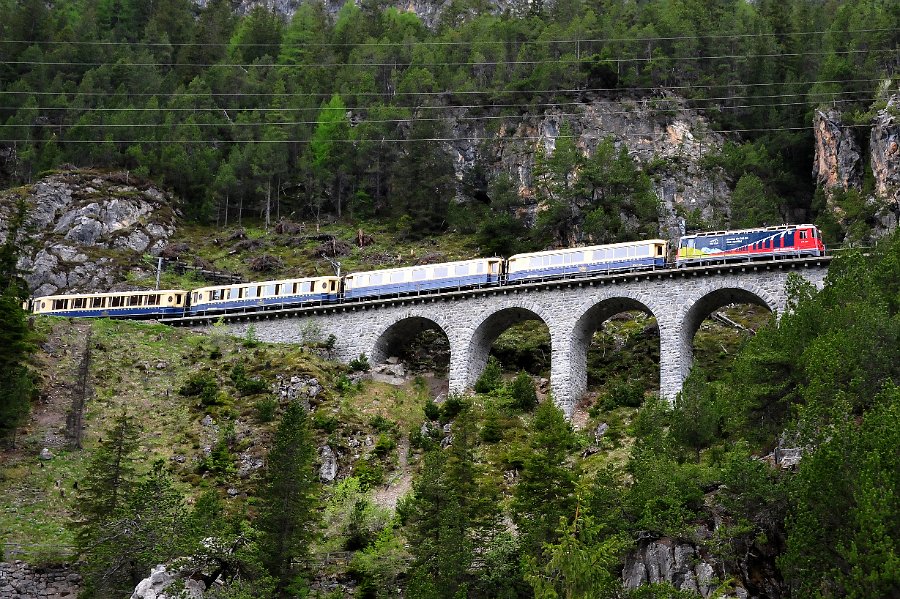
(329, 465)
(19, 580)
(665, 560)
(884, 145)
(160, 579)
(72, 217)
(838, 161)
(674, 145)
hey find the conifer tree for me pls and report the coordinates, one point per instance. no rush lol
(289, 497)
(546, 488)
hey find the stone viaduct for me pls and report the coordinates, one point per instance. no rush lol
(573, 309)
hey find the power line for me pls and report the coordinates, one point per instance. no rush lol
(698, 37)
(383, 121)
(449, 64)
(438, 93)
(436, 107)
(389, 140)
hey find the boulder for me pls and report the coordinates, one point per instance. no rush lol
(329, 464)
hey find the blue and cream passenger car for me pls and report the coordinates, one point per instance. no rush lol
(598, 258)
(265, 293)
(130, 304)
(412, 279)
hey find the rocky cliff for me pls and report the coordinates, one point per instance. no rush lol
(661, 135)
(839, 162)
(84, 231)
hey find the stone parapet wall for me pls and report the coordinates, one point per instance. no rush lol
(19, 580)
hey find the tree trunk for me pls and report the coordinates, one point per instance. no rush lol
(268, 201)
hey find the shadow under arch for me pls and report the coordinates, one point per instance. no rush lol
(487, 332)
(585, 327)
(397, 335)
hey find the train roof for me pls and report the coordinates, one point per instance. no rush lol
(257, 283)
(750, 230)
(398, 268)
(111, 293)
(589, 247)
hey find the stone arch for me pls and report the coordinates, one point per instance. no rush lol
(485, 332)
(404, 327)
(592, 314)
(707, 300)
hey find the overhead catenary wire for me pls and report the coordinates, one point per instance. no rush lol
(383, 121)
(341, 64)
(642, 39)
(657, 88)
(718, 99)
(388, 140)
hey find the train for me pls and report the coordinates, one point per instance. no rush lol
(697, 249)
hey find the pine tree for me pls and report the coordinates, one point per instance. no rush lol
(289, 497)
(545, 492)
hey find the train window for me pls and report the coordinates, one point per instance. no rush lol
(419, 274)
(333, 285)
(375, 279)
(153, 300)
(440, 272)
(43, 305)
(78, 302)
(115, 302)
(461, 270)
(557, 260)
(97, 302)
(215, 295)
(59, 304)
(479, 268)
(620, 253)
(802, 234)
(279, 288)
(269, 290)
(397, 277)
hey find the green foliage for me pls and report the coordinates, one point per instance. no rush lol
(431, 409)
(360, 364)
(452, 406)
(384, 445)
(265, 409)
(620, 392)
(289, 495)
(524, 396)
(546, 488)
(202, 385)
(843, 530)
(491, 377)
(244, 384)
(752, 205)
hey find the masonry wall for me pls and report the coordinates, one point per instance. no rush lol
(19, 580)
(680, 301)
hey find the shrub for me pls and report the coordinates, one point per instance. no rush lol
(369, 472)
(325, 422)
(246, 385)
(622, 393)
(384, 445)
(360, 364)
(524, 397)
(382, 424)
(452, 406)
(492, 431)
(491, 378)
(265, 409)
(432, 411)
(198, 384)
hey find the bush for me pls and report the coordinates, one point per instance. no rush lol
(382, 424)
(246, 385)
(452, 406)
(199, 384)
(524, 397)
(360, 364)
(325, 422)
(622, 393)
(369, 472)
(492, 431)
(384, 445)
(265, 409)
(432, 411)
(491, 378)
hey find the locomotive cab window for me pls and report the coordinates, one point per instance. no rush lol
(334, 285)
(803, 235)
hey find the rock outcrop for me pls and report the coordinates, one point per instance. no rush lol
(73, 221)
(838, 160)
(19, 580)
(677, 563)
(161, 584)
(884, 148)
(661, 135)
